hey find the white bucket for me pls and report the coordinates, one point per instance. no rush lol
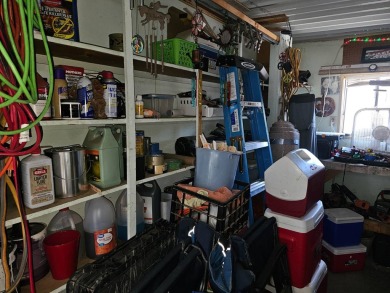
(215, 169)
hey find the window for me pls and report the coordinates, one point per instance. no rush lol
(366, 114)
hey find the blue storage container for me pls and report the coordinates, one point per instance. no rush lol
(342, 227)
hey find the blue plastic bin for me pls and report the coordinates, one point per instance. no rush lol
(342, 227)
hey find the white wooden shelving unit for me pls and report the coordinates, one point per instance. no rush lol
(93, 58)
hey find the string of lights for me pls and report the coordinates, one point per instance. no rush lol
(367, 40)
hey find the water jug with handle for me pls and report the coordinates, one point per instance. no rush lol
(151, 194)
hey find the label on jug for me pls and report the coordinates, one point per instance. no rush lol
(93, 174)
(104, 240)
(148, 209)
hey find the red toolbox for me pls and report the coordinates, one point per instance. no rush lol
(344, 259)
(318, 282)
(302, 237)
(294, 183)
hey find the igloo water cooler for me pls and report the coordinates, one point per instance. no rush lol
(294, 183)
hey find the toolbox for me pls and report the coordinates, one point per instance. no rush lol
(303, 237)
(342, 227)
(327, 142)
(344, 259)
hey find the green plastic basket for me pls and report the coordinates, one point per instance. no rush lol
(177, 51)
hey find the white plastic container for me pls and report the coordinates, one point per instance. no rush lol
(85, 95)
(99, 227)
(37, 180)
(67, 219)
(318, 283)
(121, 215)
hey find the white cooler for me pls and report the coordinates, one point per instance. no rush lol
(318, 283)
(294, 183)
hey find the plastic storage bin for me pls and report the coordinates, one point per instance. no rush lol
(318, 283)
(344, 259)
(342, 227)
(302, 237)
(294, 183)
(231, 215)
(163, 104)
(215, 169)
(177, 51)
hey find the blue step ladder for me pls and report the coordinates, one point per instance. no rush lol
(240, 77)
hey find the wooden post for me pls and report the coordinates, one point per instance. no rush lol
(199, 128)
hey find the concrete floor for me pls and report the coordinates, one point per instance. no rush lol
(373, 279)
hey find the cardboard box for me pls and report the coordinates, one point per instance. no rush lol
(60, 19)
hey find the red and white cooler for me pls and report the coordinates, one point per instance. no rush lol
(294, 183)
(344, 259)
(302, 237)
(318, 282)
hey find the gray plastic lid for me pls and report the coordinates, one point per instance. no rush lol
(343, 216)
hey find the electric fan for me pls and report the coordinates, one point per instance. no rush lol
(371, 129)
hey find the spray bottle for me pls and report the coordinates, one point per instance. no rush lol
(109, 86)
(85, 95)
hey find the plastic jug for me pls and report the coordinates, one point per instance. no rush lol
(118, 133)
(151, 194)
(102, 157)
(67, 219)
(99, 227)
(121, 214)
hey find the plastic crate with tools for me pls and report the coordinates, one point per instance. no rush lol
(229, 215)
(176, 51)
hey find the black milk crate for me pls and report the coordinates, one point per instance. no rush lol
(121, 269)
(230, 216)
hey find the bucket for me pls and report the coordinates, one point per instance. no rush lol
(62, 248)
(283, 138)
(40, 264)
(215, 169)
(69, 170)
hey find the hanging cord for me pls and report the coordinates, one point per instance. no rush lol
(289, 82)
(18, 89)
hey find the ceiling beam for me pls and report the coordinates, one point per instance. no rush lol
(247, 19)
(271, 19)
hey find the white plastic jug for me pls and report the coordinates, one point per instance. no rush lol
(67, 219)
(99, 227)
(121, 214)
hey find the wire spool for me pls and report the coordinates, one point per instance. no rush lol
(283, 138)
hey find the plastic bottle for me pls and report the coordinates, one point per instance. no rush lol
(109, 86)
(121, 214)
(85, 95)
(151, 194)
(99, 227)
(37, 180)
(139, 107)
(60, 91)
(67, 219)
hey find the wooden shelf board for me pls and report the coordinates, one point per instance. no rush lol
(48, 284)
(59, 203)
(356, 168)
(150, 177)
(58, 122)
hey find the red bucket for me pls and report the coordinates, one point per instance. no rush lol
(62, 253)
